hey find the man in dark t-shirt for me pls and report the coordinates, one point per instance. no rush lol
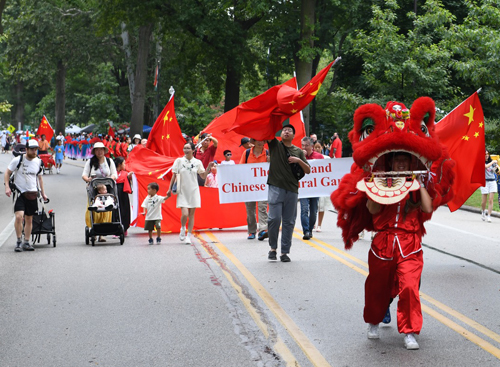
(283, 191)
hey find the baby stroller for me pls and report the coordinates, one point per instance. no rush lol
(44, 223)
(48, 162)
(114, 227)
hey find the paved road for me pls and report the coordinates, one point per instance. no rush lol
(219, 302)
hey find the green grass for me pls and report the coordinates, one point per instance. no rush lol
(475, 201)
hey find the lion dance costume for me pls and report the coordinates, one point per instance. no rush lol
(395, 258)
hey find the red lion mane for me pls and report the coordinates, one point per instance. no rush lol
(377, 132)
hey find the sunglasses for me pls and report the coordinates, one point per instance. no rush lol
(228, 154)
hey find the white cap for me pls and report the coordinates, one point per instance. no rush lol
(32, 144)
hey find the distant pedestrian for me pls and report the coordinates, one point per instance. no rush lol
(206, 152)
(336, 147)
(256, 154)
(185, 171)
(227, 157)
(309, 206)
(124, 189)
(283, 190)
(60, 155)
(489, 190)
(152, 211)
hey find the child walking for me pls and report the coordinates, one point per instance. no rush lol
(60, 155)
(152, 207)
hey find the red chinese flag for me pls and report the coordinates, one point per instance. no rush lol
(231, 140)
(45, 129)
(262, 117)
(462, 131)
(166, 137)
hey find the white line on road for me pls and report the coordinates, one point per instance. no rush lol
(491, 239)
(7, 232)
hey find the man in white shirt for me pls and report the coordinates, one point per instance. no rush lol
(28, 171)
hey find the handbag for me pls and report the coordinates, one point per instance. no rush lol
(174, 188)
(297, 170)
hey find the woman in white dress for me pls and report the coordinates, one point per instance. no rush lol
(184, 172)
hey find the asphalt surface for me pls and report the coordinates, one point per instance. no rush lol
(220, 302)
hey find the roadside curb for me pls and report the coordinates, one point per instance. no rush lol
(478, 210)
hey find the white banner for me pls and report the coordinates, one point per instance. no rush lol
(248, 182)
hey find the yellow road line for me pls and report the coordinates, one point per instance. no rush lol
(295, 332)
(279, 346)
(443, 319)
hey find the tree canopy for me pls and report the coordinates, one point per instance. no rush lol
(84, 62)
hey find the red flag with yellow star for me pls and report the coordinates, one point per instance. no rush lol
(45, 129)
(262, 117)
(165, 137)
(462, 131)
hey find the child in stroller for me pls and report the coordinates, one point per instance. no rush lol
(103, 201)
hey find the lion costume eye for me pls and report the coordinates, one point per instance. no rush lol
(366, 129)
(424, 128)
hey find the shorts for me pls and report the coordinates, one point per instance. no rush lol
(59, 160)
(29, 207)
(491, 186)
(149, 225)
(325, 203)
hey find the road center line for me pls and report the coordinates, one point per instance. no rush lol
(295, 332)
(436, 315)
(279, 345)
(7, 232)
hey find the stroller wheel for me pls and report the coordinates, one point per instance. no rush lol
(54, 240)
(122, 239)
(48, 238)
(87, 235)
(92, 240)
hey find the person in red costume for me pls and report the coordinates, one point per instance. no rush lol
(395, 260)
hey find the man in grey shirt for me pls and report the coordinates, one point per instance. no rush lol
(283, 191)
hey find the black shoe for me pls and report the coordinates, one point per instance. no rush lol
(272, 255)
(109, 207)
(284, 258)
(263, 235)
(18, 247)
(92, 209)
(158, 240)
(307, 236)
(28, 247)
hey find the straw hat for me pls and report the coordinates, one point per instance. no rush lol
(99, 145)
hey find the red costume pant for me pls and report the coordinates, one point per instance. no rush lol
(388, 278)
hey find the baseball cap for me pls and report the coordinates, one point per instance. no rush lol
(244, 141)
(30, 144)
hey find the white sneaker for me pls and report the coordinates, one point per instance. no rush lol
(483, 215)
(182, 234)
(489, 218)
(373, 332)
(318, 229)
(411, 342)
(188, 239)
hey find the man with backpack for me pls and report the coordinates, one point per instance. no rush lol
(27, 170)
(256, 154)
